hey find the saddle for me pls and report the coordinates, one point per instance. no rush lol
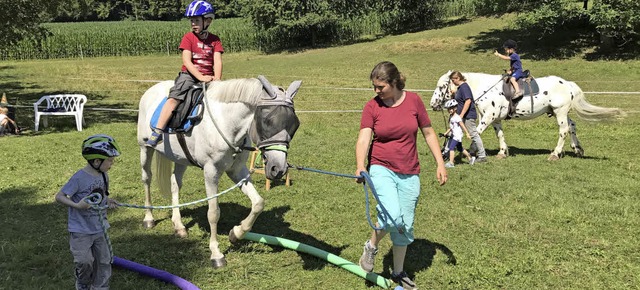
(528, 86)
(186, 115)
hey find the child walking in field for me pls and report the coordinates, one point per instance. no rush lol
(87, 242)
(201, 62)
(455, 129)
(515, 70)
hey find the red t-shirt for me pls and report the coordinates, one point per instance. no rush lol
(201, 51)
(394, 132)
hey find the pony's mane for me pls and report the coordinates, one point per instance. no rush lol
(235, 90)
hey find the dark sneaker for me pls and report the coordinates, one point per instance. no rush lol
(82, 286)
(404, 281)
(481, 160)
(368, 257)
(154, 139)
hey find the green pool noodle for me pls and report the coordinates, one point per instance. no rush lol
(331, 258)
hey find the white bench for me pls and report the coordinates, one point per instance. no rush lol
(61, 105)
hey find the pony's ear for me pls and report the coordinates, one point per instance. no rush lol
(293, 89)
(266, 85)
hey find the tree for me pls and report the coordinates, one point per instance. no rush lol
(21, 20)
(617, 22)
(304, 23)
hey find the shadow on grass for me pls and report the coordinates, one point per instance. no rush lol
(22, 97)
(515, 151)
(270, 222)
(34, 239)
(574, 38)
(419, 257)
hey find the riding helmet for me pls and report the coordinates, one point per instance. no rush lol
(100, 147)
(451, 103)
(200, 8)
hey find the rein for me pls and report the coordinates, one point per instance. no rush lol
(368, 182)
(236, 149)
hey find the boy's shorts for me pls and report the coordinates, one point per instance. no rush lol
(517, 74)
(183, 82)
(455, 144)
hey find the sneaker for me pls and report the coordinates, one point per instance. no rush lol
(472, 160)
(481, 159)
(368, 257)
(404, 280)
(449, 165)
(154, 139)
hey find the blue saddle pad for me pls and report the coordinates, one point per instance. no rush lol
(186, 126)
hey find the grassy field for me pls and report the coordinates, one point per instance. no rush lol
(519, 223)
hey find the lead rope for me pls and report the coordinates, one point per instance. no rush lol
(368, 182)
(95, 199)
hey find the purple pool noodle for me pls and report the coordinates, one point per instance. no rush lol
(154, 273)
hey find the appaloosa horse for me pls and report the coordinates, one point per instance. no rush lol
(556, 97)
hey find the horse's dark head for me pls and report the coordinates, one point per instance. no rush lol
(442, 92)
(275, 123)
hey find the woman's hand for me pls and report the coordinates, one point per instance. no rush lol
(358, 173)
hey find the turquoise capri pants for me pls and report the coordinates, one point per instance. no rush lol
(398, 193)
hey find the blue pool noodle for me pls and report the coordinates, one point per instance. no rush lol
(154, 273)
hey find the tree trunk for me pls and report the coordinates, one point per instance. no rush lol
(585, 4)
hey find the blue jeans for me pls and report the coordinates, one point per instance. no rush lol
(398, 193)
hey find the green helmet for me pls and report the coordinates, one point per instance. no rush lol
(100, 147)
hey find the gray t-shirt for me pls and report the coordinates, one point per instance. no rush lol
(80, 185)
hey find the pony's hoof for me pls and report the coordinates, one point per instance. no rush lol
(233, 237)
(149, 224)
(501, 156)
(218, 263)
(553, 157)
(182, 233)
(579, 152)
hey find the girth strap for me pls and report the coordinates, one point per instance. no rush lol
(185, 149)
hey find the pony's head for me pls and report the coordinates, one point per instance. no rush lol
(442, 92)
(275, 123)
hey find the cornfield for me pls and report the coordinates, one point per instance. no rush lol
(93, 39)
(129, 38)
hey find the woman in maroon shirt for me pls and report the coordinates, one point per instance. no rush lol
(388, 141)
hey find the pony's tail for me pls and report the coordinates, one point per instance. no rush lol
(591, 112)
(163, 174)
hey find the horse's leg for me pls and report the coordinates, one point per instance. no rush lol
(211, 178)
(176, 185)
(504, 149)
(146, 155)
(575, 143)
(257, 203)
(563, 124)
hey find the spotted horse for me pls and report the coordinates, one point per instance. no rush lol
(556, 97)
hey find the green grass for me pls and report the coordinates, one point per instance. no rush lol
(519, 223)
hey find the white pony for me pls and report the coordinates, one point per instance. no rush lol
(556, 97)
(216, 145)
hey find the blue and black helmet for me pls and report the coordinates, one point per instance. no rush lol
(200, 8)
